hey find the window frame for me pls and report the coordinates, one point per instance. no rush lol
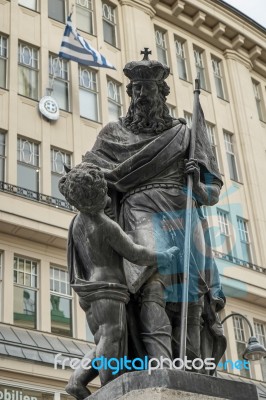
(111, 100)
(68, 295)
(36, 8)
(218, 75)
(258, 99)
(34, 288)
(93, 91)
(4, 56)
(3, 156)
(201, 66)
(232, 156)
(211, 131)
(223, 218)
(30, 165)
(88, 10)
(183, 57)
(244, 232)
(54, 172)
(161, 48)
(63, 21)
(32, 71)
(62, 77)
(112, 10)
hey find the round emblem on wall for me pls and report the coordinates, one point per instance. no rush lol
(49, 108)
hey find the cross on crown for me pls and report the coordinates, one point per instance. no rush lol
(146, 53)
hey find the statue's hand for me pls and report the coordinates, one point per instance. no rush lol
(167, 258)
(192, 167)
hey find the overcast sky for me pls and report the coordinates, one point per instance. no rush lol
(255, 9)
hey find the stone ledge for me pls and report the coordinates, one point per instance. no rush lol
(185, 385)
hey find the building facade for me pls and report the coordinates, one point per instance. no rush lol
(38, 310)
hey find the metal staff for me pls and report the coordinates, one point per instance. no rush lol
(187, 245)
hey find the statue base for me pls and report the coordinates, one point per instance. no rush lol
(169, 384)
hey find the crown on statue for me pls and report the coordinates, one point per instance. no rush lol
(146, 69)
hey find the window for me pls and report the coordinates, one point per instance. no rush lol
(56, 10)
(114, 100)
(241, 342)
(32, 4)
(171, 110)
(28, 165)
(161, 46)
(58, 159)
(260, 332)
(59, 81)
(198, 55)
(25, 292)
(109, 24)
(61, 302)
(244, 239)
(188, 118)
(217, 72)
(84, 12)
(257, 94)
(211, 135)
(224, 231)
(3, 61)
(1, 278)
(2, 155)
(181, 60)
(28, 71)
(88, 94)
(231, 158)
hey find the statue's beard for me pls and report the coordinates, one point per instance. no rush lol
(146, 115)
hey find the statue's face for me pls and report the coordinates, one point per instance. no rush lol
(144, 92)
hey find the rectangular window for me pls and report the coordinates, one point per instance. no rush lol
(28, 71)
(114, 100)
(3, 61)
(188, 118)
(224, 231)
(84, 10)
(58, 159)
(25, 292)
(88, 94)
(161, 45)
(171, 110)
(28, 166)
(61, 302)
(211, 135)
(2, 155)
(1, 278)
(231, 158)
(59, 81)
(56, 10)
(218, 78)
(241, 343)
(257, 94)
(244, 239)
(181, 59)
(199, 61)
(260, 332)
(109, 24)
(32, 4)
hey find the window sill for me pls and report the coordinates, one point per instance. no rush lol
(31, 11)
(112, 45)
(90, 120)
(223, 99)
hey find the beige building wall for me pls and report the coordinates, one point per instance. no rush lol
(38, 230)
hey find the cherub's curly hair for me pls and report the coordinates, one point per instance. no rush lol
(85, 188)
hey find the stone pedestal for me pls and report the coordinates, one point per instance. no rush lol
(174, 385)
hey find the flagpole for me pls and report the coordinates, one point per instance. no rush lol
(188, 219)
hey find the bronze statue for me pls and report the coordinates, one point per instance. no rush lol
(144, 158)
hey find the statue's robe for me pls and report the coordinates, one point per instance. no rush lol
(154, 216)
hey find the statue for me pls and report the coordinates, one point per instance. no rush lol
(97, 245)
(144, 158)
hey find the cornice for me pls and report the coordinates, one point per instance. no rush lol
(143, 5)
(234, 55)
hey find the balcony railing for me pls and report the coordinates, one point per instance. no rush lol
(239, 262)
(35, 196)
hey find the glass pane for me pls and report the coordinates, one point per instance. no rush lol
(161, 55)
(232, 166)
(114, 111)
(2, 73)
(109, 33)
(219, 87)
(28, 3)
(55, 191)
(24, 307)
(61, 315)
(181, 68)
(2, 169)
(84, 20)
(27, 177)
(28, 82)
(56, 10)
(88, 104)
(60, 93)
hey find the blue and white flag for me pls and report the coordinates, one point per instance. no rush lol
(74, 47)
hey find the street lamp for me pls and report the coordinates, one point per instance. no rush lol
(254, 350)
